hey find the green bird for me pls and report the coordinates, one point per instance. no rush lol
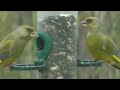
(12, 46)
(99, 44)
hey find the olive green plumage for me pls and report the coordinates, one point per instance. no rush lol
(100, 44)
(12, 46)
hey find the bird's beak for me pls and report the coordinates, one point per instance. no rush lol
(34, 34)
(83, 23)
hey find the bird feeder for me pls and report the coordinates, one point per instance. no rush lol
(44, 44)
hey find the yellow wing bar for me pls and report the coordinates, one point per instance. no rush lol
(115, 57)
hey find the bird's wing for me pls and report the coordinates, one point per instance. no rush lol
(5, 48)
(112, 49)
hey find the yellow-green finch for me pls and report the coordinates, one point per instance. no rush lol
(12, 46)
(99, 44)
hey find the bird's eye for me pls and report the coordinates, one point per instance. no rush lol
(29, 29)
(84, 23)
(89, 20)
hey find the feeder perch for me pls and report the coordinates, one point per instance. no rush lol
(88, 63)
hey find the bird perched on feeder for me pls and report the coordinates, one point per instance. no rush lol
(99, 44)
(12, 46)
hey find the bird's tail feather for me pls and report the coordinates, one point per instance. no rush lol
(116, 58)
(116, 66)
(117, 62)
